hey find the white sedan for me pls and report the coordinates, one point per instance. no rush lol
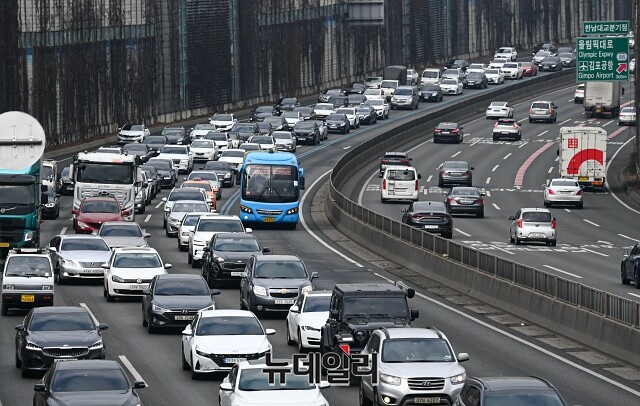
(381, 107)
(512, 70)
(499, 109)
(305, 319)
(322, 110)
(248, 384)
(495, 76)
(130, 270)
(563, 191)
(374, 94)
(451, 86)
(223, 122)
(265, 142)
(234, 156)
(352, 116)
(217, 340)
(627, 116)
(203, 150)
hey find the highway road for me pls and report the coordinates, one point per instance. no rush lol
(497, 345)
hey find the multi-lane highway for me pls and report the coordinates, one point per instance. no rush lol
(497, 345)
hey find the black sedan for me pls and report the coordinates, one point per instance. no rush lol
(630, 267)
(457, 64)
(166, 172)
(448, 132)
(568, 59)
(278, 123)
(57, 333)
(173, 300)
(455, 173)
(429, 216)
(465, 200)
(156, 142)
(338, 101)
(224, 171)
(431, 93)
(66, 183)
(338, 123)
(86, 382)
(324, 96)
(227, 257)
(307, 132)
(551, 63)
(367, 114)
(476, 80)
(261, 112)
(265, 128)
(176, 135)
(356, 99)
(51, 210)
(287, 104)
(356, 88)
(244, 131)
(141, 150)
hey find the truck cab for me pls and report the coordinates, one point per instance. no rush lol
(50, 175)
(27, 280)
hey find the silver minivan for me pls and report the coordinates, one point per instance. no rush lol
(405, 97)
(533, 224)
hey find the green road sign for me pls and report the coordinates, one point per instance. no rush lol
(602, 59)
(605, 27)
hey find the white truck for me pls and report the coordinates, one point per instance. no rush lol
(50, 174)
(602, 98)
(583, 155)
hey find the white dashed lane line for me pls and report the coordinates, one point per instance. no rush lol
(488, 180)
(591, 222)
(159, 204)
(564, 121)
(496, 206)
(494, 168)
(561, 271)
(550, 170)
(567, 210)
(64, 230)
(462, 232)
(595, 252)
(542, 133)
(429, 178)
(507, 156)
(146, 219)
(607, 123)
(523, 144)
(132, 370)
(628, 238)
(456, 154)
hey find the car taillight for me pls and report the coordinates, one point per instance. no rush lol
(438, 131)
(384, 183)
(468, 173)
(496, 124)
(479, 201)
(452, 200)
(443, 172)
(551, 191)
(385, 161)
(405, 162)
(550, 110)
(515, 125)
(553, 223)
(455, 131)
(417, 188)
(530, 110)
(579, 193)
(520, 223)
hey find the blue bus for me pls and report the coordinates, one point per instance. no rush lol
(270, 185)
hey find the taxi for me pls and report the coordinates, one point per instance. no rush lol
(27, 280)
(205, 185)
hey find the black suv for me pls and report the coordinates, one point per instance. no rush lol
(176, 135)
(227, 256)
(508, 390)
(356, 309)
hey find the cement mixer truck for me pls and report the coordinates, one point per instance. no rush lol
(22, 143)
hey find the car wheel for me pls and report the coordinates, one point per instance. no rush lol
(195, 263)
(553, 243)
(151, 329)
(189, 259)
(290, 341)
(142, 209)
(242, 306)
(440, 183)
(164, 223)
(511, 240)
(383, 200)
(495, 138)
(480, 215)
(546, 204)
(144, 321)
(317, 140)
(110, 298)
(623, 276)
(517, 241)
(580, 205)
(636, 281)
(301, 348)
(18, 362)
(530, 120)
(5, 309)
(185, 364)
(24, 371)
(180, 246)
(447, 235)
(363, 399)
(435, 140)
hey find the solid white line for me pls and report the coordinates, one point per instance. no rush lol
(567, 210)
(429, 178)
(557, 159)
(628, 238)
(64, 230)
(604, 242)
(607, 123)
(488, 193)
(564, 121)
(596, 252)
(383, 277)
(542, 133)
(488, 180)
(633, 294)
(132, 370)
(159, 204)
(571, 101)
(90, 312)
(550, 170)
(530, 345)
(591, 222)
(502, 249)
(462, 232)
(523, 144)
(146, 219)
(304, 224)
(456, 154)
(564, 272)
(606, 181)
(496, 206)
(507, 156)
(494, 168)
(364, 187)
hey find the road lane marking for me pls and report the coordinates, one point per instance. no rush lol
(567, 210)
(456, 154)
(494, 168)
(496, 206)
(429, 178)
(564, 121)
(146, 219)
(523, 169)
(488, 180)
(564, 272)
(364, 187)
(523, 144)
(595, 252)
(550, 169)
(84, 305)
(159, 204)
(507, 156)
(633, 294)
(557, 159)
(591, 222)
(628, 238)
(604, 242)
(606, 181)
(502, 249)
(132, 370)
(462, 232)
(64, 230)
(616, 132)
(488, 193)
(542, 133)
(607, 123)
(320, 240)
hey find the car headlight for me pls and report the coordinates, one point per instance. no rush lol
(97, 345)
(8, 286)
(460, 378)
(29, 235)
(434, 94)
(117, 279)
(245, 209)
(47, 287)
(32, 346)
(49, 205)
(82, 224)
(139, 194)
(309, 328)
(185, 233)
(196, 241)
(219, 259)
(166, 177)
(553, 66)
(158, 309)
(173, 220)
(71, 262)
(167, 208)
(259, 290)
(211, 307)
(227, 175)
(293, 210)
(307, 289)
(201, 353)
(390, 379)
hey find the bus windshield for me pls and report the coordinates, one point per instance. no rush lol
(270, 183)
(121, 174)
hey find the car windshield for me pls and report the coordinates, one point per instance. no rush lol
(447, 126)
(388, 85)
(346, 111)
(288, 100)
(456, 165)
(83, 244)
(336, 117)
(216, 136)
(191, 220)
(202, 144)
(211, 165)
(137, 260)
(236, 245)
(185, 287)
(274, 119)
(158, 164)
(135, 147)
(497, 104)
(99, 207)
(280, 270)
(120, 230)
(187, 207)
(372, 306)
(192, 185)
(566, 55)
(262, 140)
(317, 304)
(290, 114)
(254, 379)
(628, 110)
(47, 172)
(264, 109)
(449, 82)
(416, 350)
(521, 399)
(185, 194)
(64, 321)
(172, 131)
(200, 127)
(243, 128)
(174, 150)
(232, 154)
(526, 64)
(564, 182)
(222, 117)
(281, 136)
(220, 226)
(543, 53)
(536, 216)
(155, 140)
(250, 147)
(98, 172)
(476, 66)
(305, 125)
(511, 65)
(65, 172)
(504, 51)
(465, 191)
(324, 106)
(403, 92)
(376, 102)
(89, 380)
(333, 91)
(372, 92)
(364, 110)
(28, 265)
(474, 75)
(270, 183)
(400, 175)
(430, 74)
(492, 71)
(229, 326)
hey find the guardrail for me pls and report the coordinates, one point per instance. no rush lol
(586, 314)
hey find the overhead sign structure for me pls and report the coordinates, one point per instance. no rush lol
(605, 27)
(602, 59)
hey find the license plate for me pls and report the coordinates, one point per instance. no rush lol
(180, 317)
(136, 287)
(4, 245)
(426, 401)
(27, 298)
(505, 133)
(93, 271)
(233, 360)
(64, 359)
(269, 220)
(285, 301)
(583, 178)
(430, 226)
(536, 235)
(466, 201)
(237, 273)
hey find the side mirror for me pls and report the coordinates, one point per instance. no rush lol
(462, 128)
(53, 249)
(292, 309)
(512, 218)
(164, 199)
(302, 183)
(139, 385)
(44, 198)
(472, 168)
(266, 249)
(324, 385)
(215, 292)
(40, 387)
(419, 176)
(463, 356)
(625, 255)
(75, 212)
(20, 327)
(248, 230)
(415, 313)
(103, 327)
(146, 235)
(315, 275)
(168, 266)
(125, 212)
(187, 331)
(104, 266)
(269, 331)
(226, 386)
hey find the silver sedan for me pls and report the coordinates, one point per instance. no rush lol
(627, 116)
(563, 191)
(507, 128)
(78, 256)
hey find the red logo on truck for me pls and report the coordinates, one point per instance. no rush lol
(583, 156)
(572, 143)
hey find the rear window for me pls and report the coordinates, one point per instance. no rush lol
(564, 182)
(403, 92)
(401, 175)
(540, 105)
(536, 217)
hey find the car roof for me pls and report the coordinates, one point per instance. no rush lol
(499, 383)
(314, 293)
(180, 276)
(426, 205)
(121, 223)
(278, 258)
(400, 168)
(214, 216)
(246, 236)
(99, 199)
(88, 364)
(413, 332)
(535, 209)
(226, 313)
(80, 237)
(59, 309)
(367, 287)
(498, 103)
(134, 250)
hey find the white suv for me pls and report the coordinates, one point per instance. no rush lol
(533, 224)
(205, 228)
(415, 365)
(130, 270)
(27, 280)
(400, 183)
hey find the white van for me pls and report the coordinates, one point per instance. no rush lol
(431, 76)
(27, 280)
(400, 183)
(50, 174)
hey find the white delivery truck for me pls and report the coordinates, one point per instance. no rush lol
(583, 155)
(602, 98)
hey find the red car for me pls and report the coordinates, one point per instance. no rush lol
(529, 69)
(94, 211)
